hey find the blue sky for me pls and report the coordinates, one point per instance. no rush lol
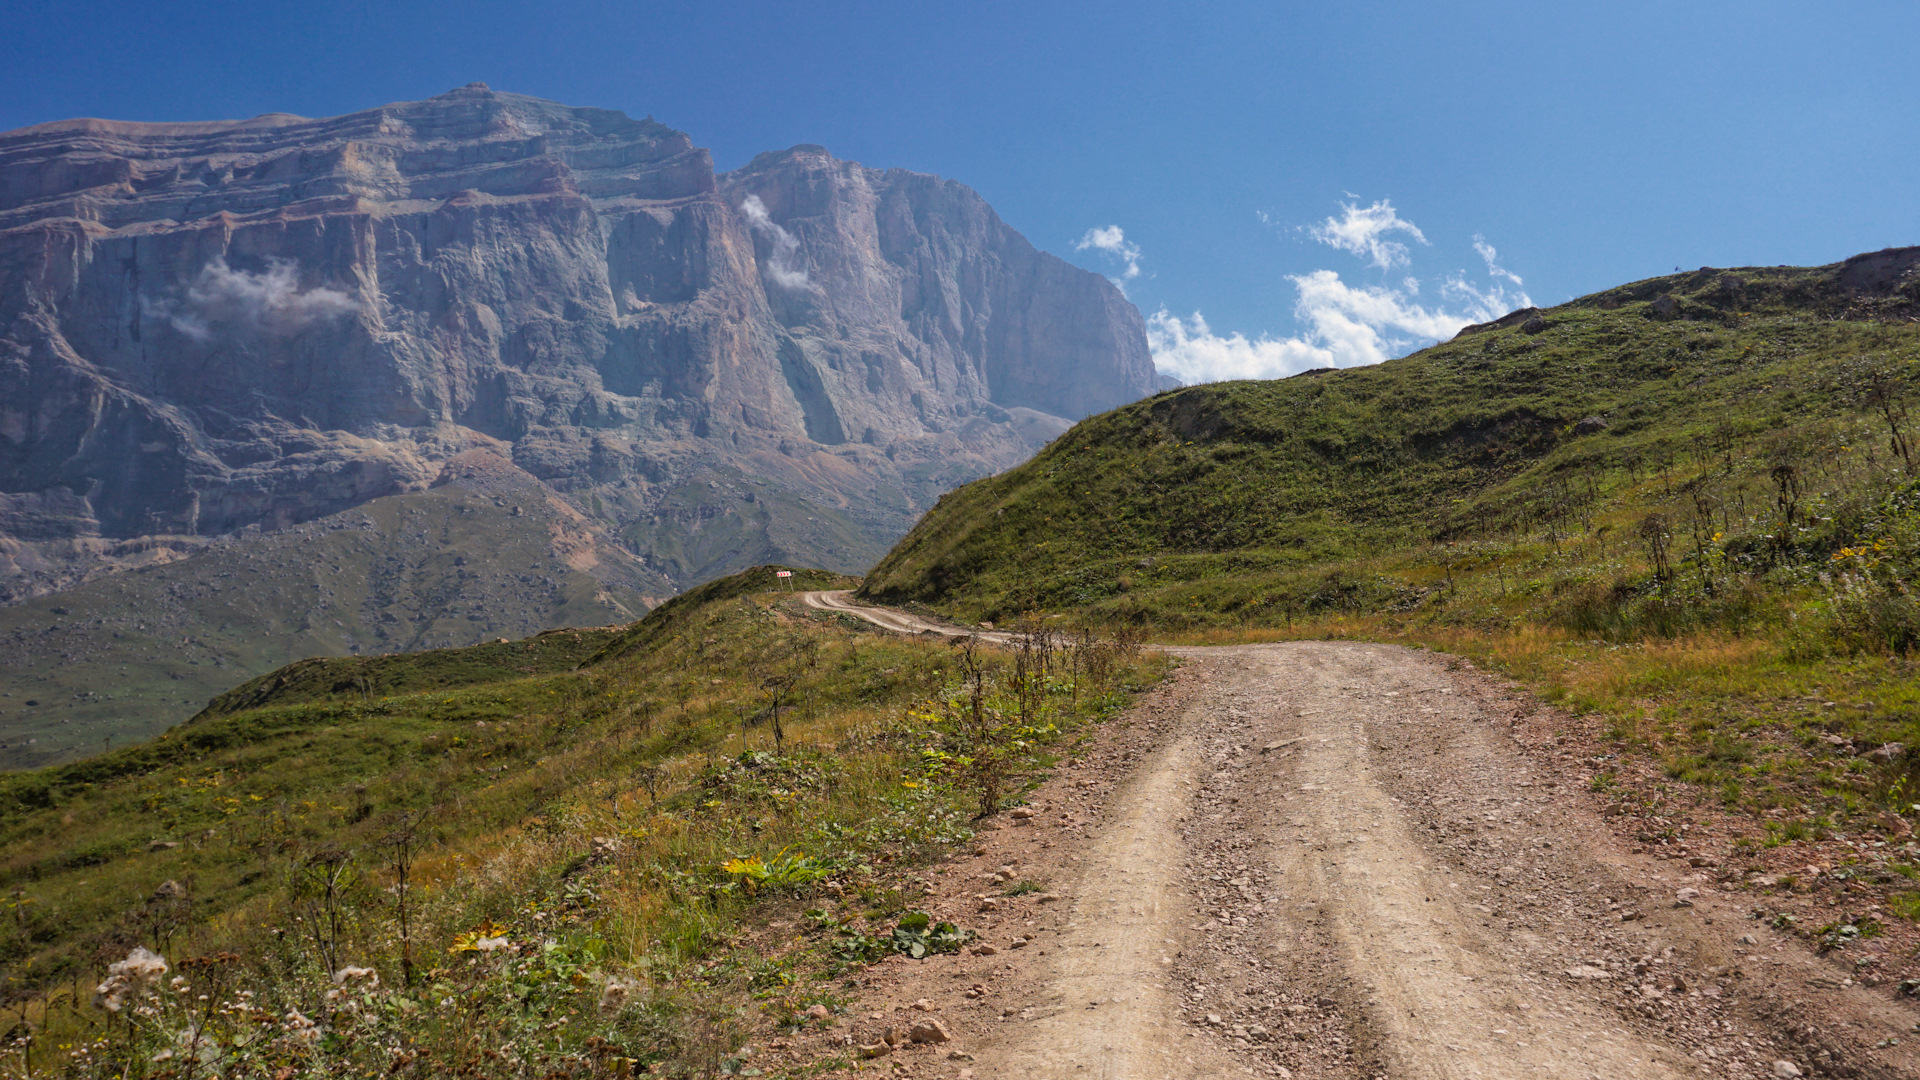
(1587, 143)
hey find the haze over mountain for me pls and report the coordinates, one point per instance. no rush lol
(222, 330)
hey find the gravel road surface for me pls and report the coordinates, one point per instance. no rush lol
(1334, 859)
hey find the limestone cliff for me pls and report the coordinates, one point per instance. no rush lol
(214, 326)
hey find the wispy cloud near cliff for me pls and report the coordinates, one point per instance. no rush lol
(784, 248)
(1112, 242)
(1343, 325)
(270, 302)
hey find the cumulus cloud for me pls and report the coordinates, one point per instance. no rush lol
(783, 246)
(1364, 231)
(1190, 351)
(1345, 326)
(1492, 257)
(269, 302)
(1112, 242)
(1342, 324)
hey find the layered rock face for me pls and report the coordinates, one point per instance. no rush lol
(215, 327)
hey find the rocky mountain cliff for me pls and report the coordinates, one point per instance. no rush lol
(211, 326)
(217, 329)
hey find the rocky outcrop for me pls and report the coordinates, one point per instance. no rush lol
(209, 327)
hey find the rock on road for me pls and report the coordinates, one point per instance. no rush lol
(1332, 860)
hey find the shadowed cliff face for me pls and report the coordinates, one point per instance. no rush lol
(205, 327)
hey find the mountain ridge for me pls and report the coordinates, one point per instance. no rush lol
(215, 325)
(212, 328)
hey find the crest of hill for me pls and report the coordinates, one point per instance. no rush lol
(1241, 500)
(348, 678)
(673, 617)
(551, 652)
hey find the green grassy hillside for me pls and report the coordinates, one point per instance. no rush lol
(363, 678)
(1255, 503)
(516, 834)
(127, 656)
(1687, 510)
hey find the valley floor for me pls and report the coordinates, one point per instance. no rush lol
(1330, 859)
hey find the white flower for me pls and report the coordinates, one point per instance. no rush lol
(614, 997)
(364, 977)
(299, 1028)
(142, 964)
(126, 978)
(111, 995)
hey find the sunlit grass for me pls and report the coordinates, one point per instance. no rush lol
(595, 810)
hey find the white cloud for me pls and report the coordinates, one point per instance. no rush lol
(1190, 351)
(1363, 232)
(783, 246)
(1113, 243)
(1342, 325)
(271, 302)
(1345, 326)
(1494, 269)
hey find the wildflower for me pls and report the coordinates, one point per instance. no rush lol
(127, 978)
(614, 997)
(347, 981)
(354, 976)
(299, 1028)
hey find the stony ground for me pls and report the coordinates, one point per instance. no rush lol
(1329, 859)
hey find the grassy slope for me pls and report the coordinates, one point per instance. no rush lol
(1448, 498)
(305, 739)
(339, 678)
(125, 657)
(510, 780)
(1218, 501)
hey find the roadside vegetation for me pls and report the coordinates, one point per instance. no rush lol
(497, 862)
(1689, 507)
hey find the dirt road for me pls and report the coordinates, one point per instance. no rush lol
(841, 601)
(1321, 859)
